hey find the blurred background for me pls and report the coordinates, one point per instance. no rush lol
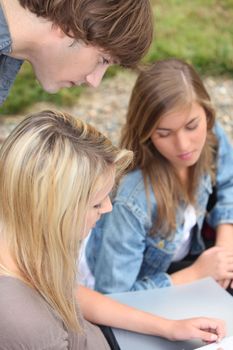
(199, 31)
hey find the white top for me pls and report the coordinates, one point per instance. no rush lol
(190, 220)
(85, 276)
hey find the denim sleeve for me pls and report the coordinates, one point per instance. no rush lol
(222, 212)
(121, 252)
(9, 67)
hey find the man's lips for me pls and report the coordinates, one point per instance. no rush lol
(78, 83)
(73, 83)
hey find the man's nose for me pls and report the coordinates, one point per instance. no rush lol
(94, 78)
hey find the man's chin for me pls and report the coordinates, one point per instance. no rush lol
(50, 89)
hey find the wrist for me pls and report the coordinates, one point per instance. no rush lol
(170, 330)
(186, 275)
(166, 329)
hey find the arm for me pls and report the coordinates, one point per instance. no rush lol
(100, 309)
(222, 212)
(216, 262)
(121, 252)
(224, 238)
(221, 216)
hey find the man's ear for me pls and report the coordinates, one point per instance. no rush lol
(57, 31)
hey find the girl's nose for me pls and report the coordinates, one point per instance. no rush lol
(182, 142)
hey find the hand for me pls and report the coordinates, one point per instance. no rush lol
(216, 262)
(206, 329)
(226, 283)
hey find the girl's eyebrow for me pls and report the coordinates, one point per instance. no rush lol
(189, 122)
(192, 120)
(162, 129)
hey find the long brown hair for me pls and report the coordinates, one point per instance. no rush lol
(123, 28)
(166, 86)
(50, 167)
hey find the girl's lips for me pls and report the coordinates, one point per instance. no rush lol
(185, 156)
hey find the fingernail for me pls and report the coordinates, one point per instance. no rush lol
(214, 337)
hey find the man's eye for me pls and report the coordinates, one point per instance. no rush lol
(105, 61)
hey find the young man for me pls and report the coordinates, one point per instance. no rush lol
(71, 42)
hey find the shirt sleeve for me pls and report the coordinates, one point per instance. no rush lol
(222, 212)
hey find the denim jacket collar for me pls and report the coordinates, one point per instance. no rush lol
(9, 66)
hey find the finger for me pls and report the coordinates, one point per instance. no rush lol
(222, 249)
(226, 283)
(208, 337)
(220, 330)
(221, 283)
(214, 327)
(225, 275)
(229, 260)
(225, 251)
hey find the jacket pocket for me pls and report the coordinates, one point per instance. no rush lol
(155, 260)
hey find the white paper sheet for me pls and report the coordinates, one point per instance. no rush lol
(225, 344)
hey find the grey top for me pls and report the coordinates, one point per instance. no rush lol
(27, 322)
(9, 66)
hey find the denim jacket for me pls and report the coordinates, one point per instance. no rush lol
(123, 256)
(9, 66)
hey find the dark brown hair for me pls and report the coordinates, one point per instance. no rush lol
(123, 28)
(166, 86)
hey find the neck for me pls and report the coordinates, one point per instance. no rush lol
(183, 175)
(27, 31)
(7, 263)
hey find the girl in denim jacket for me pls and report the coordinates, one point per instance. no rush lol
(159, 208)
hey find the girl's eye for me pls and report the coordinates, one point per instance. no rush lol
(97, 206)
(192, 126)
(163, 135)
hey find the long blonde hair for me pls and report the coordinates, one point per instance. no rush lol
(50, 166)
(166, 86)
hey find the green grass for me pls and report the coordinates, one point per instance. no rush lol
(199, 31)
